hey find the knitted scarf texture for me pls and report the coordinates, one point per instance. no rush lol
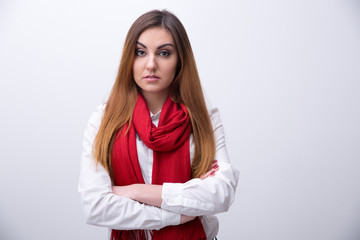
(171, 162)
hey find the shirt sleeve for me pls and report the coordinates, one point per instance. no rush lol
(101, 206)
(211, 195)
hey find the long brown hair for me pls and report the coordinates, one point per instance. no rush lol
(186, 86)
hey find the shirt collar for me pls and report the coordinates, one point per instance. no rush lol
(156, 116)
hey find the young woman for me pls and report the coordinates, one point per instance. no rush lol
(155, 164)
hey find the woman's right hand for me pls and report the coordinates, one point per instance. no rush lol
(185, 219)
(213, 168)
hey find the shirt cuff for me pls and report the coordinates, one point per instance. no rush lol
(170, 218)
(171, 196)
(176, 199)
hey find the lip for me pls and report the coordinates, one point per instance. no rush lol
(151, 78)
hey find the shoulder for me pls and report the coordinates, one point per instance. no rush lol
(213, 112)
(96, 116)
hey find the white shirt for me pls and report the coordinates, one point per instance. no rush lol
(194, 198)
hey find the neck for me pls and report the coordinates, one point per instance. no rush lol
(155, 101)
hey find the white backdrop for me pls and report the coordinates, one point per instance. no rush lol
(284, 74)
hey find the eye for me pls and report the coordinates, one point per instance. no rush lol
(139, 52)
(164, 53)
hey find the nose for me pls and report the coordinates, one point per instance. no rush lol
(151, 63)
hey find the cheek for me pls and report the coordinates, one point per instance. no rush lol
(172, 68)
(136, 69)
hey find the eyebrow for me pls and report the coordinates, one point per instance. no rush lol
(159, 47)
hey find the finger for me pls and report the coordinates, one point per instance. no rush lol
(215, 168)
(205, 175)
(210, 173)
(214, 163)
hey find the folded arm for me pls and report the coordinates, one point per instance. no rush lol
(104, 208)
(208, 196)
(198, 197)
(151, 194)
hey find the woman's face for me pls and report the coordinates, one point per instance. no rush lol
(155, 62)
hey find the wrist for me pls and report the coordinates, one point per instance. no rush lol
(148, 194)
(135, 194)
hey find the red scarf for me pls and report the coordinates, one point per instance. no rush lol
(170, 144)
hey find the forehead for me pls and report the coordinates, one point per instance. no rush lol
(155, 36)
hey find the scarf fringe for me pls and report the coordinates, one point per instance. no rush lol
(131, 235)
(135, 235)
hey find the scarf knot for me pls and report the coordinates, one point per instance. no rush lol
(172, 131)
